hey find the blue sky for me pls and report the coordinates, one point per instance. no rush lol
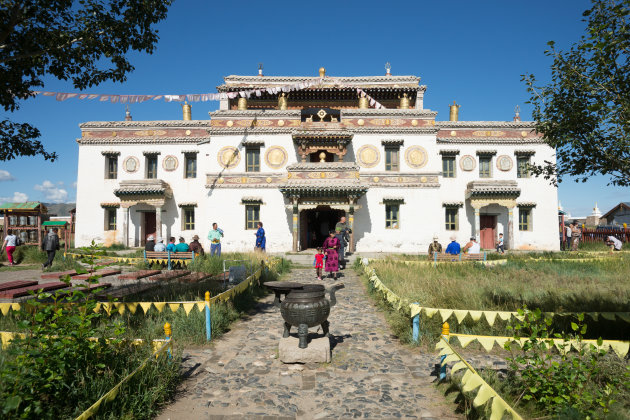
(470, 51)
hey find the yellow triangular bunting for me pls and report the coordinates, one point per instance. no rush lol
(505, 315)
(483, 395)
(501, 341)
(174, 306)
(4, 307)
(201, 306)
(593, 315)
(497, 409)
(97, 307)
(623, 315)
(458, 366)
(465, 340)
(450, 358)
(188, 307)
(475, 315)
(15, 306)
(490, 317)
(460, 315)
(610, 316)
(441, 344)
(486, 342)
(620, 347)
(429, 312)
(445, 313)
(132, 307)
(120, 307)
(473, 382)
(159, 306)
(145, 306)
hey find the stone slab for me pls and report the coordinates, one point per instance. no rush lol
(135, 275)
(59, 274)
(318, 350)
(102, 273)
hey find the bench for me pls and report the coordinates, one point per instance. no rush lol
(437, 257)
(169, 256)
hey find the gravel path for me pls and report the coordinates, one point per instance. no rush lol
(371, 375)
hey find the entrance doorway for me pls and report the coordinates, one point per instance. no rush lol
(149, 226)
(487, 229)
(315, 225)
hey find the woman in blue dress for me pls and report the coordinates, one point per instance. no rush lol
(261, 241)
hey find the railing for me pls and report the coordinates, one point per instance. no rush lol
(599, 234)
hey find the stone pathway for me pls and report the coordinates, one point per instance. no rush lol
(371, 375)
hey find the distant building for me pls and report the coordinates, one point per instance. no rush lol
(618, 215)
(299, 162)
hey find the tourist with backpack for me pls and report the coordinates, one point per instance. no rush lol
(10, 243)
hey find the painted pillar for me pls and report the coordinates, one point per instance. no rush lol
(125, 226)
(510, 227)
(158, 221)
(477, 227)
(295, 223)
(351, 224)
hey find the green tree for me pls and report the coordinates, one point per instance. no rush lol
(584, 111)
(83, 41)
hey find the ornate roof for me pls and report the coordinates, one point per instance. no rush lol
(325, 187)
(492, 188)
(489, 140)
(252, 113)
(142, 187)
(145, 124)
(252, 82)
(373, 112)
(327, 134)
(142, 140)
(486, 124)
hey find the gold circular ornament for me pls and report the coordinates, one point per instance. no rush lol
(504, 163)
(188, 132)
(268, 180)
(467, 163)
(131, 164)
(361, 122)
(524, 133)
(276, 157)
(322, 174)
(229, 157)
(416, 157)
(113, 134)
(414, 122)
(388, 121)
(243, 180)
(368, 156)
(280, 123)
(423, 179)
(230, 123)
(221, 181)
(376, 179)
(453, 133)
(170, 163)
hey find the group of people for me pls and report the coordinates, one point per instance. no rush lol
(214, 236)
(50, 245)
(454, 248)
(332, 256)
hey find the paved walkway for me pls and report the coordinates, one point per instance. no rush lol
(371, 374)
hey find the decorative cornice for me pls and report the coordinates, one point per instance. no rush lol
(489, 140)
(110, 153)
(492, 188)
(452, 204)
(151, 152)
(449, 152)
(371, 113)
(253, 143)
(253, 113)
(110, 205)
(526, 205)
(485, 124)
(252, 82)
(524, 152)
(144, 124)
(393, 200)
(187, 204)
(142, 140)
(224, 131)
(190, 152)
(251, 200)
(486, 152)
(328, 134)
(323, 166)
(392, 142)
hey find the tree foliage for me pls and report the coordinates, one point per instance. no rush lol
(584, 111)
(83, 41)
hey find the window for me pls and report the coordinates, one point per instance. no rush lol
(252, 158)
(188, 218)
(485, 166)
(110, 219)
(524, 219)
(451, 218)
(111, 167)
(151, 161)
(190, 166)
(252, 216)
(522, 167)
(448, 166)
(391, 216)
(392, 158)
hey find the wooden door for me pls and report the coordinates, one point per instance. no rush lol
(487, 228)
(149, 227)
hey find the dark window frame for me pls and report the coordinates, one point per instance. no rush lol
(253, 210)
(149, 160)
(392, 216)
(451, 218)
(186, 223)
(111, 219)
(111, 173)
(522, 167)
(525, 219)
(190, 173)
(483, 159)
(392, 158)
(253, 152)
(449, 172)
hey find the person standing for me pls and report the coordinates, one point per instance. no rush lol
(331, 245)
(195, 246)
(343, 234)
(50, 245)
(500, 244)
(10, 243)
(215, 236)
(261, 241)
(318, 263)
(576, 234)
(150, 245)
(434, 247)
(569, 230)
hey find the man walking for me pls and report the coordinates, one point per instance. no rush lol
(50, 245)
(215, 236)
(343, 234)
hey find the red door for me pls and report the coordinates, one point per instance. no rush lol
(149, 226)
(488, 226)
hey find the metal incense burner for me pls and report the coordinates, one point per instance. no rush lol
(304, 306)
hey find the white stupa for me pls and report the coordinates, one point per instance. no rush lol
(596, 212)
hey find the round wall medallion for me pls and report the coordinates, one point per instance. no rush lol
(188, 132)
(376, 179)
(229, 157)
(276, 157)
(453, 133)
(416, 157)
(524, 133)
(269, 180)
(280, 123)
(230, 123)
(504, 163)
(360, 122)
(368, 156)
(414, 122)
(221, 181)
(170, 163)
(467, 163)
(423, 179)
(131, 164)
(113, 134)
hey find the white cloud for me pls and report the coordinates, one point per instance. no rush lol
(18, 197)
(5, 176)
(74, 185)
(52, 193)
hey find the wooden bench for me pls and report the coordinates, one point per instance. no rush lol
(169, 256)
(437, 257)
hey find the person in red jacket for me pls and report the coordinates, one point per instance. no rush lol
(318, 262)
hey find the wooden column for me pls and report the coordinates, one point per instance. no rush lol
(294, 200)
(477, 226)
(125, 226)
(351, 222)
(158, 221)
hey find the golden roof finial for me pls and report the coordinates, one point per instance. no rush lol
(322, 72)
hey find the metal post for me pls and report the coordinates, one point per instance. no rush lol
(445, 335)
(208, 320)
(168, 332)
(416, 326)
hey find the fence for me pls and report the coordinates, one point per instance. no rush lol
(599, 234)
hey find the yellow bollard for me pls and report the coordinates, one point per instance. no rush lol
(445, 334)
(446, 330)
(168, 332)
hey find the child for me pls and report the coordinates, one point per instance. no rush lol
(318, 263)
(500, 246)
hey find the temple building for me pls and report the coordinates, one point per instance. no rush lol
(298, 159)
